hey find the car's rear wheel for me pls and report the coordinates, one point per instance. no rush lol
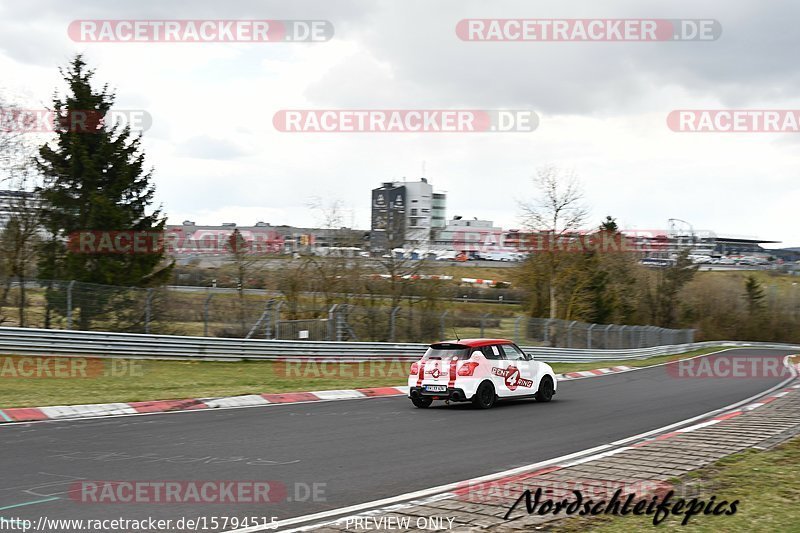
(484, 397)
(422, 402)
(546, 390)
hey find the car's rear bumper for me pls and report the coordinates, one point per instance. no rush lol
(453, 394)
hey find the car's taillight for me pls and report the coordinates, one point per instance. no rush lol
(467, 368)
(414, 369)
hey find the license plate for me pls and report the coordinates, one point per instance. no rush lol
(435, 388)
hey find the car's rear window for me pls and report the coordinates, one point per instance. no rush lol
(447, 351)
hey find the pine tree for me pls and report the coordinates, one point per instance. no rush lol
(95, 179)
(671, 280)
(754, 295)
(609, 225)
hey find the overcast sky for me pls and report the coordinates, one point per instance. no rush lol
(602, 108)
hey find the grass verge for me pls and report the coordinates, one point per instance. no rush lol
(767, 485)
(39, 381)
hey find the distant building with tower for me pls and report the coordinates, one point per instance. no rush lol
(404, 213)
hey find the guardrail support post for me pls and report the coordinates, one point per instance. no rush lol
(69, 303)
(272, 325)
(392, 321)
(606, 345)
(569, 333)
(331, 321)
(340, 322)
(483, 320)
(516, 328)
(205, 314)
(148, 310)
(589, 336)
(622, 337)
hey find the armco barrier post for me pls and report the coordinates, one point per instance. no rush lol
(272, 322)
(205, 314)
(589, 336)
(148, 310)
(483, 320)
(392, 322)
(569, 334)
(69, 303)
(332, 322)
(516, 328)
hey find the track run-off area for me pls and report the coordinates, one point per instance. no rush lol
(321, 456)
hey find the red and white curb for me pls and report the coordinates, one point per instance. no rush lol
(60, 412)
(592, 373)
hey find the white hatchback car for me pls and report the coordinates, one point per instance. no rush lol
(478, 370)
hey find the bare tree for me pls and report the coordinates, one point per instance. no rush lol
(19, 239)
(14, 150)
(556, 215)
(335, 273)
(560, 208)
(19, 234)
(292, 283)
(246, 263)
(398, 262)
(330, 213)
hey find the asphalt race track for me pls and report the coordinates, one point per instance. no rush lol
(359, 450)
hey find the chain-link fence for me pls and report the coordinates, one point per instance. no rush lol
(251, 314)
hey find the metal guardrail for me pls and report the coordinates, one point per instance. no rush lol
(49, 342)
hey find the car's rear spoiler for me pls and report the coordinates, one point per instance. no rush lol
(449, 346)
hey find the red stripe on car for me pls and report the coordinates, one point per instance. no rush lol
(452, 382)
